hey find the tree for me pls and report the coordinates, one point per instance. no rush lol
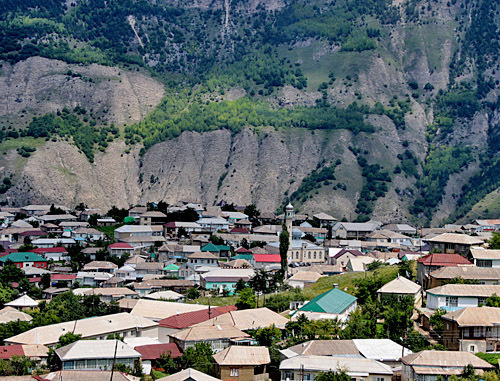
(166, 363)
(267, 336)
(494, 242)
(198, 357)
(253, 214)
(246, 299)
(493, 301)
(11, 273)
(339, 375)
(260, 282)
(240, 285)
(437, 321)
(284, 244)
(45, 281)
(193, 293)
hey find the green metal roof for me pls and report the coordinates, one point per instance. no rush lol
(23, 257)
(223, 247)
(210, 247)
(334, 301)
(246, 257)
(171, 267)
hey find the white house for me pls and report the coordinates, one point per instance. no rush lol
(485, 258)
(452, 297)
(213, 224)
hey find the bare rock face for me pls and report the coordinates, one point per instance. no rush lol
(38, 85)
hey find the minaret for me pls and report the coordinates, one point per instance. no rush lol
(289, 216)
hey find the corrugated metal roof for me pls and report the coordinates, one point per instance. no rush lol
(475, 316)
(154, 351)
(249, 319)
(189, 374)
(334, 301)
(480, 253)
(462, 239)
(439, 259)
(380, 349)
(445, 359)
(355, 366)
(243, 355)
(189, 319)
(96, 349)
(157, 310)
(478, 290)
(400, 285)
(467, 272)
(209, 332)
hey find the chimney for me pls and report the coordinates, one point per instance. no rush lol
(335, 285)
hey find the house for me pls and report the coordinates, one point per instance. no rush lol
(23, 260)
(265, 260)
(22, 303)
(218, 336)
(212, 225)
(8, 314)
(431, 365)
(108, 294)
(171, 270)
(189, 374)
(96, 355)
(100, 266)
(33, 352)
(176, 252)
(166, 295)
(401, 228)
(87, 234)
(399, 288)
(153, 285)
(51, 228)
(452, 297)
(386, 351)
(342, 256)
(432, 262)
(189, 227)
(127, 231)
(242, 363)
(127, 273)
(248, 319)
(65, 280)
(485, 258)
(153, 218)
(92, 278)
(220, 279)
(217, 250)
(198, 263)
(482, 275)
(359, 264)
(452, 243)
(157, 310)
(53, 242)
(319, 234)
(148, 268)
(303, 279)
(94, 375)
(329, 305)
(137, 211)
(179, 322)
(124, 324)
(152, 352)
(53, 253)
(488, 225)
(353, 230)
(237, 264)
(388, 236)
(31, 210)
(472, 329)
(120, 248)
(324, 220)
(357, 368)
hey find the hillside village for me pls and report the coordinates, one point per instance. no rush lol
(206, 293)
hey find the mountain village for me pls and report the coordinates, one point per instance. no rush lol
(206, 293)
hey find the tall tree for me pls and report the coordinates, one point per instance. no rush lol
(284, 245)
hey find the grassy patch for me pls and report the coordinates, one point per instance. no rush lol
(492, 358)
(109, 230)
(27, 141)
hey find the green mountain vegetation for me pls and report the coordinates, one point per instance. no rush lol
(333, 54)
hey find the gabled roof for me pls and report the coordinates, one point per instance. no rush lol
(23, 257)
(267, 258)
(210, 247)
(154, 351)
(120, 245)
(334, 301)
(356, 253)
(480, 253)
(242, 355)
(96, 349)
(202, 255)
(324, 348)
(23, 301)
(462, 239)
(157, 310)
(188, 375)
(209, 332)
(355, 366)
(474, 290)
(452, 359)
(324, 217)
(438, 259)
(306, 276)
(248, 319)
(44, 250)
(400, 285)
(475, 317)
(189, 319)
(467, 272)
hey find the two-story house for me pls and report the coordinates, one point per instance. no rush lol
(452, 297)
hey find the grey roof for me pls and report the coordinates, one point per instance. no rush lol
(359, 367)
(96, 349)
(380, 349)
(357, 226)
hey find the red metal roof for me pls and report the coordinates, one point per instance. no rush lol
(242, 250)
(444, 260)
(63, 276)
(189, 319)
(35, 279)
(33, 232)
(269, 258)
(7, 351)
(356, 253)
(154, 351)
(169, 224)
(120, 245)
(44, 250)
(239, 231)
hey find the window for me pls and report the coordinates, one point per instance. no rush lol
(378, 378)
(472, 348)
(308, 377)
(484, 263)
(314, 255)
(68, 365)
(234, 372)
(287, 375)
(481, 301)
(452, 301)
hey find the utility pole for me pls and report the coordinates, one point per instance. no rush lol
(114, 360)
